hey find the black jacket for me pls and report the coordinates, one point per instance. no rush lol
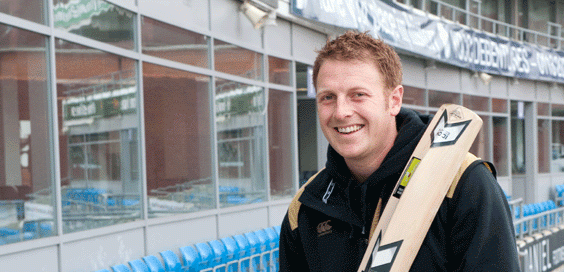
(472, 231)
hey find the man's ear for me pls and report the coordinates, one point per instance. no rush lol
(395, 100)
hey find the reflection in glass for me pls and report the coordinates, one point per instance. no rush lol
(477, 103)
(543, 149)
(500, 145)
(98, 140)
(413, 96)
(96, 19)
(558, 110)
(173, 43)
(31, 10)
(279, 71)
(557, 165)
(499, 105)
(438, 98)
(280, 143)
(238, 61)
(26, 185)
(178, 140)
(240, 119)
(517, 138)
(543, 109)
(480, 147)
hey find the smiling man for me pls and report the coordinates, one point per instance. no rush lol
(371, 137)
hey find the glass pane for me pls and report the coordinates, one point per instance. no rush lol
(240, 120)
(280, 124)
(98, 119)
(173, 43)
(26, 197)
(500, 145)
(31, 10)
(481, 147)
(178, 140)
(543, 149)
(557, 165)
(96, 19)
(557, 110)
(543, 109)
(477, 103)
(238, 61)
(438, 98)
(517, 139)
(499, 105)
(279, 71)
(413, 96)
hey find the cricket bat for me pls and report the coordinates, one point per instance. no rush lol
(421, 189)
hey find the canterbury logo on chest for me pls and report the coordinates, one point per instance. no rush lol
(324, 228)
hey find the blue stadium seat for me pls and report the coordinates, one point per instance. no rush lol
(191, 259)
(255, 250)
(171, 261)
(244, 253)
(220, 253)
(121, 268)
(154, 263)
(264, 249)
(206, 256)
(274, 241)
(138, 265)
(231, 250)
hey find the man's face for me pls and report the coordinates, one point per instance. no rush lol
(355, 116)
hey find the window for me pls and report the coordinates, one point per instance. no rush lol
(413, 96)
(481, 145)
(240, 121)
(438, 98)
(279, 71)
(499, 142)
(96, 19)
(174, 43)
(26, 185)
(238, 61)
(98, 139)
(281, 149)
(177, 140)
(32, 10)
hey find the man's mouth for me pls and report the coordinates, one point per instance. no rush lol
(349, 129)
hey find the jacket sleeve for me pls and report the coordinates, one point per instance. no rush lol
(482, 237)
(292, 257)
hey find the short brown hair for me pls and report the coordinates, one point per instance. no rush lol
(359, 46)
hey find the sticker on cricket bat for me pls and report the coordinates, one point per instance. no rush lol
(445, 133)
(413, 163)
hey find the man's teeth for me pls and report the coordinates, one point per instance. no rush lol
(349, 129)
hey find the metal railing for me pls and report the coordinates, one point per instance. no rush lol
(553, 38)
(537, 223)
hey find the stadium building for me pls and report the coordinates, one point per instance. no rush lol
(133, 127)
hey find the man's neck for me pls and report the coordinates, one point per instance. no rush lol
(362, 169)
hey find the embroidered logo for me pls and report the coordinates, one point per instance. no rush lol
(324, 228)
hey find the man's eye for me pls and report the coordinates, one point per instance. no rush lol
(327, 97)
(359, 94)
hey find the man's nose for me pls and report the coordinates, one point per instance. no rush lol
(343, 108)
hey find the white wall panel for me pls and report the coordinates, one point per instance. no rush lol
(171, 236)
(498, 87)
(242, 221)
(522, 90)
(557, 94)
(276, 214)
(543, 91)
(191, 14)
(278, 38)
(42, 259)
(103, 251)
(305, 41)
(228, 21)
(443, 78)
(471, 83)
(413, 71)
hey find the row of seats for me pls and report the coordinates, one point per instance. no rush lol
(255, 251)
(537, 208)
(560, 194)
(30, 230)
(94, 196)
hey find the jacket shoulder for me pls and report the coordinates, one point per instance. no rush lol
(294, 208)
(468, 161)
